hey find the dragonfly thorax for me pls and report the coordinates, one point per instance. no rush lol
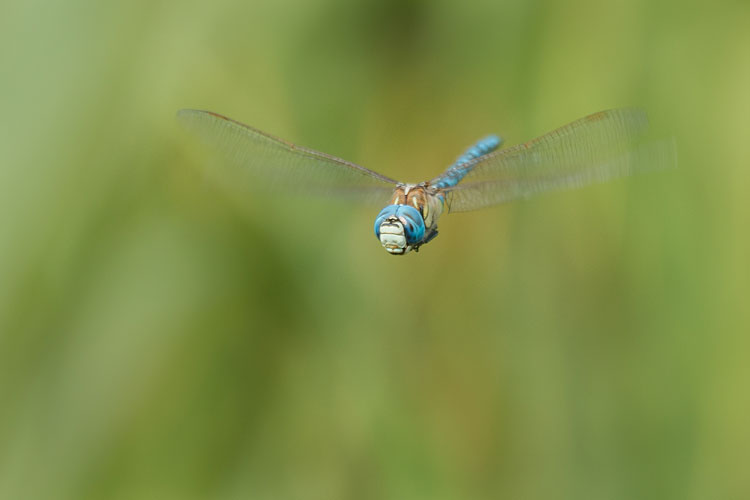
(399, 228)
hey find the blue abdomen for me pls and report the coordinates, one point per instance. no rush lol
(458, 170)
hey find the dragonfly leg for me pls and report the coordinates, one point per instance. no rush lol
(429, 237)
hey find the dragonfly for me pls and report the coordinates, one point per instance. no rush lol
(594, 149)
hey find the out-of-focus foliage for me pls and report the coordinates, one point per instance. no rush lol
(163, 336)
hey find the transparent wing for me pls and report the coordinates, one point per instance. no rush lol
(280, 165)
(598, 148)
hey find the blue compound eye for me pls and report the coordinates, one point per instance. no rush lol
(413, 223)
(409, 217)
(389, 211)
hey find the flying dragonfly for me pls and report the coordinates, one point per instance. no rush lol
(597, 148)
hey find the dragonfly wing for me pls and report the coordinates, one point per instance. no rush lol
(595, 149)
(282, 166)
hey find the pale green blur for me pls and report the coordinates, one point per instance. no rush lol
(165, 337)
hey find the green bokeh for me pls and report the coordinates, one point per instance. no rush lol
(163, 336)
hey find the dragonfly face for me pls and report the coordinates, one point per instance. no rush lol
(392, 236)
(399, 228)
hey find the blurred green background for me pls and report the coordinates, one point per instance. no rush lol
(164, 337)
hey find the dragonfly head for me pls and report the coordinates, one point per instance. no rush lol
(399, 228)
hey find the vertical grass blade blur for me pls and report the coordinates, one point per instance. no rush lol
(165, 334)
